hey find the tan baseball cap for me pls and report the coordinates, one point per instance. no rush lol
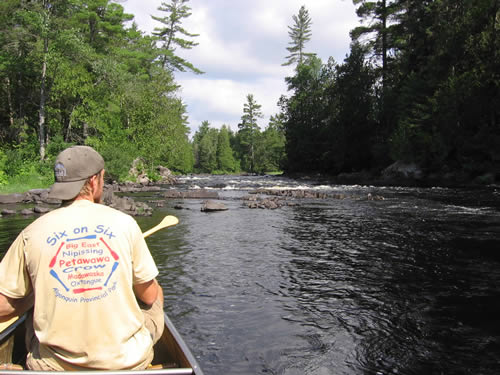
(72, 168)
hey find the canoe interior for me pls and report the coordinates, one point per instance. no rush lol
(171, 354)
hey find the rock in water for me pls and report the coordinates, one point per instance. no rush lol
(212, 206)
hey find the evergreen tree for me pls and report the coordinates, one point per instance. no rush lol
(208, 151)
(304, 116)
(299, 34)
(271, 146)
(380, 30)
(225, 157)
(198, 136)
(249, 131)
(170, 36)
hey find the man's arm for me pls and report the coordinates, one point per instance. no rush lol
(14, 306)
(148, 292)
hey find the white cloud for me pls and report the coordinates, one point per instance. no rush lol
(224, 99)
(242, 45)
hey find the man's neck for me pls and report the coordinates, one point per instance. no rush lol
(85, 197)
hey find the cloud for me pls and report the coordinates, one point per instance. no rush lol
(242, 45)
(223, 99)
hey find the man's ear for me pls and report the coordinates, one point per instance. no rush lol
(94, 183)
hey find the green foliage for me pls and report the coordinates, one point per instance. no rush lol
(213, 151)
(101, 87)
(225, 157)
(21, 171)
(170, 36)
(249, 133)
(299, 34)
(430, 97)
(270, 153)
(3, 175)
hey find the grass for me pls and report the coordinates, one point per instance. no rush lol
(23, 183)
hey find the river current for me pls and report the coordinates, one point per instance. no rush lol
(407, 284)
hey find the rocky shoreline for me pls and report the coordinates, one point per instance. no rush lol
(36, 201)
(408, 175)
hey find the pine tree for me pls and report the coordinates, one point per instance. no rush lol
(225, 158)
(249, 130)
(170, 39)
(300, 33)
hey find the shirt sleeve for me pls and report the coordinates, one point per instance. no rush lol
(144, 266)
(14, 278)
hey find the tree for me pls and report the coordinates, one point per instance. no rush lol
(271, 146)
(380, 30)
(351, 131)
(225, 158)
(71, 71)
(169, 37)
(198, 136)
(304, 116)
(208, 151)
(249, 131)
(299, 34)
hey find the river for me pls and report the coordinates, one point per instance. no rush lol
(405, 285)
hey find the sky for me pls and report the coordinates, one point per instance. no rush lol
(242, 44)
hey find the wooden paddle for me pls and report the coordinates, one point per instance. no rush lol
(167, 221)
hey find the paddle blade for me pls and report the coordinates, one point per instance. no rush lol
(167, 221)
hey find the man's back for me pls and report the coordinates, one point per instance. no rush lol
(83, 260)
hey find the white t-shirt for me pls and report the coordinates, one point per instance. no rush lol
(82, 262)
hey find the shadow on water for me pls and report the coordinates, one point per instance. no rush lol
(401, 293)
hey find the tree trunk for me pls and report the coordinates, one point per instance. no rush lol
(9, 103)
(42, 131)
(384, 45)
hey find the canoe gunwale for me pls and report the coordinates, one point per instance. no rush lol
(170, 339)
(12, 327)
(173, 371)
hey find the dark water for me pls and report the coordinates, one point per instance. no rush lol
(406, 285)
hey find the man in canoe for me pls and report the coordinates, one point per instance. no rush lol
(97, 304)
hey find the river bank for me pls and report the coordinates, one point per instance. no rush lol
(408, 175)
(121, 196)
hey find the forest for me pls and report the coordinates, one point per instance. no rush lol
(420, 85)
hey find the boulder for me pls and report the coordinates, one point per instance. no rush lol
(126, 204)
(12, 198)
(138, 172)
(41, 210)
(166, 176)
(27, 212)
(137, 167)
(404, 170)
(293, 193)
(212, 206)
(485, 179)
(8, 212)
(191, 194)
(143, 179)
(267, 203)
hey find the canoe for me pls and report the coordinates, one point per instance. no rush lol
(171, 354)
